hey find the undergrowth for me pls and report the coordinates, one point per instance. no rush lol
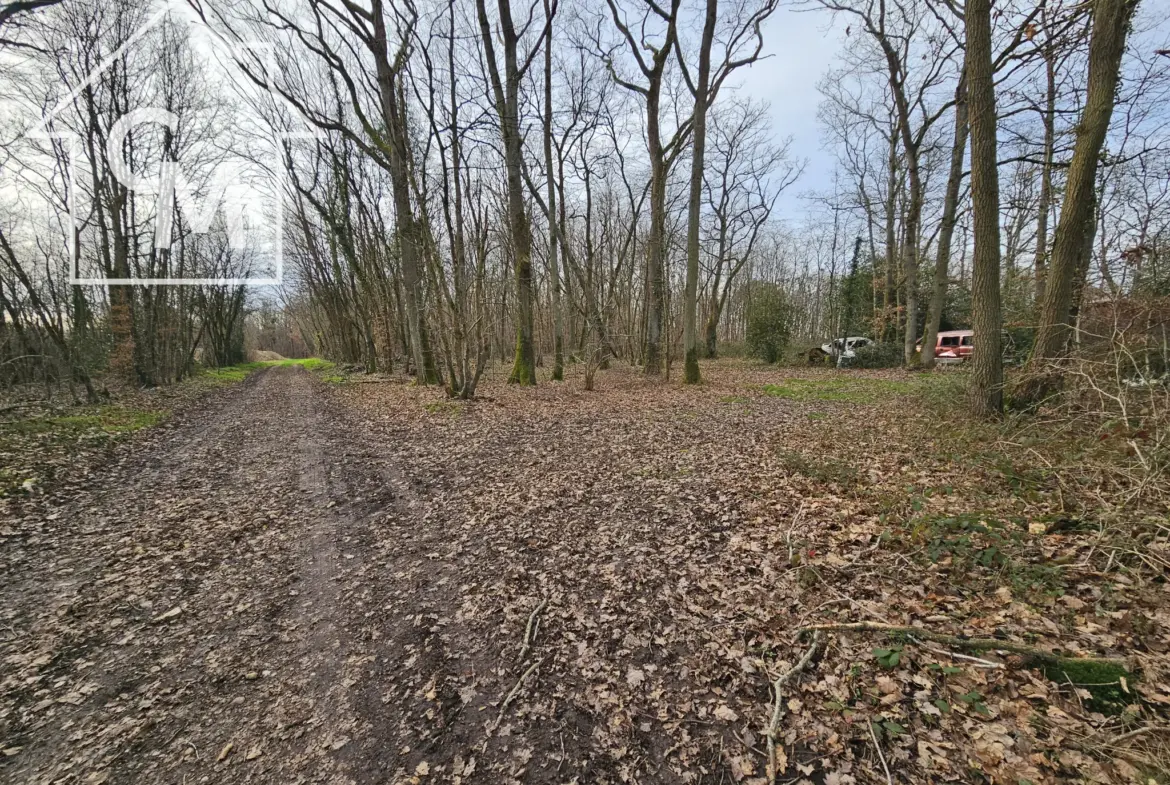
(825, 469)
(85, 428)
(32, 448)
(859, 390)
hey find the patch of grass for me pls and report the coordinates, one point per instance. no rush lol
(112, 420)
(91, 427)
(850, 390)
(233, 374)
(308, 363)
(734, 399)
(826, 470)
(443, 407)
(230, 374)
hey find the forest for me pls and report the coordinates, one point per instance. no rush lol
(546, 391)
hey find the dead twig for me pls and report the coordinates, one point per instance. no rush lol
(742, 741)
(1031, 653)
(530, 630)
(1142, 731)
(515, 691)
(881, 755)
(778, 705)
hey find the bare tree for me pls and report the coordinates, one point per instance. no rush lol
(662, 154)
(986, 389)
(743, 34)
(1111, 19)
(506, 90)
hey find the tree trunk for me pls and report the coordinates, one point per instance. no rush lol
(656, 241)
(986, 386)
(409, 251)
(1106, 46)
(888, 301)
(558, 372)
(913, 209)
(506, 92)
(690, 305)
(938, 292)
(1040, 264)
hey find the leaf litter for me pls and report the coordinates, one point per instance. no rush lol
(365, 583)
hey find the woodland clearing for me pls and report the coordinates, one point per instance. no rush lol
(359, 580)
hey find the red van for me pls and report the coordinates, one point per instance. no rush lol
(954, 346)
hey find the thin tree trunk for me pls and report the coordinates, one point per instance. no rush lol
(690, 305)
(888, 300)
(409, 242)
(938, 292)
(558, 372)
(1040, 264)
(506, 92)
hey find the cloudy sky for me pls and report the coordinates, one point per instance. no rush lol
(801, 46)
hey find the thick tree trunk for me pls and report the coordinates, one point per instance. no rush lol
(1111, 20)
(690, 299)
(986, 390)
(656, 242)
(710, 332)
(938, 291)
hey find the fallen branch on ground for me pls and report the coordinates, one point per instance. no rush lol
(530, 630)
(515, 691)
(1031, 654)
(977, 662)
(881, 755)
(777, 707)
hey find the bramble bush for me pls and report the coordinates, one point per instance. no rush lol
(877, 355)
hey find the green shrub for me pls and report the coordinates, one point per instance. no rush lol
(769, 323)
(877, 355)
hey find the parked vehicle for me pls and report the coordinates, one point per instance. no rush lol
(953, 346)
(842, 349)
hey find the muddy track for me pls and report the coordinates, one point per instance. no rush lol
(235, 580)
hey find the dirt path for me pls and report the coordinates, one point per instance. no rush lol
(216, 587)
